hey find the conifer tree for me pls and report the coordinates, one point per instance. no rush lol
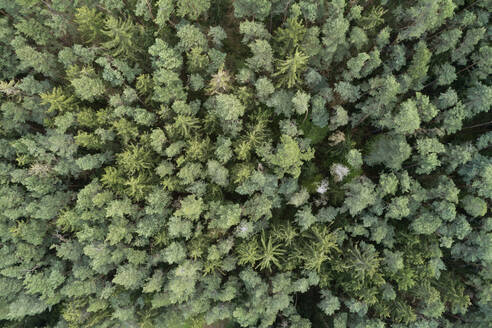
(247, 163)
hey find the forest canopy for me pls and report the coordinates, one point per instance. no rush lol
(249, 163)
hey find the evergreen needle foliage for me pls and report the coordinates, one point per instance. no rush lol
(245, 163)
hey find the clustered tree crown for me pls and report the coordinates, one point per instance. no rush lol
(256, 163)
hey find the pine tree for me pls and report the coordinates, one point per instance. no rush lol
(254, 163)
(121, 36)
(90, 24)
(290, 69)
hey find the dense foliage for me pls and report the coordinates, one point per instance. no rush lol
(261, 163)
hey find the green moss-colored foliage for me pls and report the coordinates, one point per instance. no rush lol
(246, 163)
(313, 132)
